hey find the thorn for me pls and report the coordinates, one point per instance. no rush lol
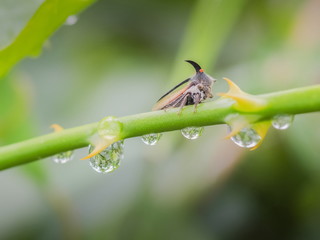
(56, 127)
(98, 148)
(244, 102)
(236, 128)
(262, 129)
(233, 88)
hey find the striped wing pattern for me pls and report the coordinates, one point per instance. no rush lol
(173, 98)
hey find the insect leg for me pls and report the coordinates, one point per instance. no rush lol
(183, 103)
(196, 100)
(209, 94)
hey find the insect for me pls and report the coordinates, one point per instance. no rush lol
(196, 89)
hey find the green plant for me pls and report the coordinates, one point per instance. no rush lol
(102, 134)
(295, 101)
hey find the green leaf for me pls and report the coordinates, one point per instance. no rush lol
(14, 14)
(47, 19)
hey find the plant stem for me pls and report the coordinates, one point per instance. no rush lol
(44, 146)
(295, 101)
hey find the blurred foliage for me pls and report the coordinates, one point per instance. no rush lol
(117, 60)
(48, 17)
(205, 33)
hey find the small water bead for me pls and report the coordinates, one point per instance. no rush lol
(109, 159)
(192, 132)
(63, 157)
(246, 138)
(151, 139)
(282, 122)
(71, 20)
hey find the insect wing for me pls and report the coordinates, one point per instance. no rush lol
(171, 99)
(176, 87)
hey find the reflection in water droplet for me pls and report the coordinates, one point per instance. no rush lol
(282, 122)
(71, 20)
(109, 159)
(151, 139)
(246, 138)
(192, 132)
(63, 157)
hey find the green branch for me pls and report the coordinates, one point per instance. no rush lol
(296, 101)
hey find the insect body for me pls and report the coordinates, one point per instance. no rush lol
(191, 91)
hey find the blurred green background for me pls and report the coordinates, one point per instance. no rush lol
(118, 59)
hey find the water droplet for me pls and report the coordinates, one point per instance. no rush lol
(192, 132)
(63, 157)
(109, 159)
(71, 20)
(151, 139)
(246, 138)
(109, 127)
(282, 121)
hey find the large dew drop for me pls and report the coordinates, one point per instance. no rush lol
(282, 122)
(63, 157)
(246, 138)
(151, 139)
(109, 159)
(192, 132)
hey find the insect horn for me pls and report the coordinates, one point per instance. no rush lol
(195, 65)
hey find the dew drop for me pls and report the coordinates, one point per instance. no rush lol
(109, 159)
(109, 127)
(192, 132)
(151, 139)
(63, 157)
(71, 20)
(282, 121)
(246, 138)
